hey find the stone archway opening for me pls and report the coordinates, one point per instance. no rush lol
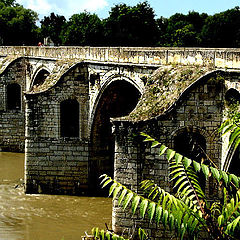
(40, 78)
(234, 166)
(192, 145)
(118, 100)
(232, 96)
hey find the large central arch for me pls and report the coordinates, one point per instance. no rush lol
(118, 99)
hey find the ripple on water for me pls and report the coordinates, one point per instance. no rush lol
(37, 217)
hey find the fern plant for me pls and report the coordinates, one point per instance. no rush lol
(187, 212)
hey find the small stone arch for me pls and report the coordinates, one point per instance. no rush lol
(69, 118)
(39, 77)
(14, 96)
(232, 164)
(232, 161)
(192, 144)
(232, 96)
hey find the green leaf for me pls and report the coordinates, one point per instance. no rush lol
(102, 234)
(142, 234)
(178, 158)
(108, 235)
(124, 192)
(235, 134)
(106, 183)
(159, 211)
(170, 154)
(116, 191)
(215, 173)
(196, 166)
(225, 177)
(205, 170)
(165, 218)
(235, 223)
(186, 162)
(155, 143)
(112, 188)
(151, 210)
(143, 207)
(162, 149)
(135, 203)
(171, 221)
(235, 180)
(127, 200)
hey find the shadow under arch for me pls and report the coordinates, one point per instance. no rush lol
(232, 162)
(118, 99)
(191, 144)
(39, 78)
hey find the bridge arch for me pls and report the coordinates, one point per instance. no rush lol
(113, 77)
(39, 77)
(117, 98)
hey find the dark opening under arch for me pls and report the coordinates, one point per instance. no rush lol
(232, 96)
(40, 78)
(118, 100)
(234, 166)
(191, 145)
(14, 96)
(69, 118)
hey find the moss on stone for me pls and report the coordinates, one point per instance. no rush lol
(61, 67)
(163, 89)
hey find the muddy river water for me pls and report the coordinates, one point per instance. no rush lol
(44, 217)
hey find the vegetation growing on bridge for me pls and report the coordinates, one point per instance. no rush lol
(164, 88)
(126, 26)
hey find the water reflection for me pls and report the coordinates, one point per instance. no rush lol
(44, 217)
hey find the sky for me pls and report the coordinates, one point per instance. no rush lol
(165, 8)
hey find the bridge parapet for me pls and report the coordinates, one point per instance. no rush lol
(219, 58)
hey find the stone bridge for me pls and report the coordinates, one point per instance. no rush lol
(77, 113)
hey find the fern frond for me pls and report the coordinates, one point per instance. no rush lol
(227, 178)
(106, 235)
(162, 211)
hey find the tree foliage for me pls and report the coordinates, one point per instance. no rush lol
(125, 26)
(131, 26)
(17, 24)
(188, 212)
(52, 27)
(83, 29)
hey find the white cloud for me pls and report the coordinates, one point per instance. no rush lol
(63, 7)
(39, 6)
(94, 5)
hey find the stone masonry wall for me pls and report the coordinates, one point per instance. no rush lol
(57, 164)
(12, 121)
(199, 110)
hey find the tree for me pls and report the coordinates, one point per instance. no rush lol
(83, 29)
(52, 27)
(184, 30)
(188, 212)
(17, 24)
(222, 29)
(131, 26)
